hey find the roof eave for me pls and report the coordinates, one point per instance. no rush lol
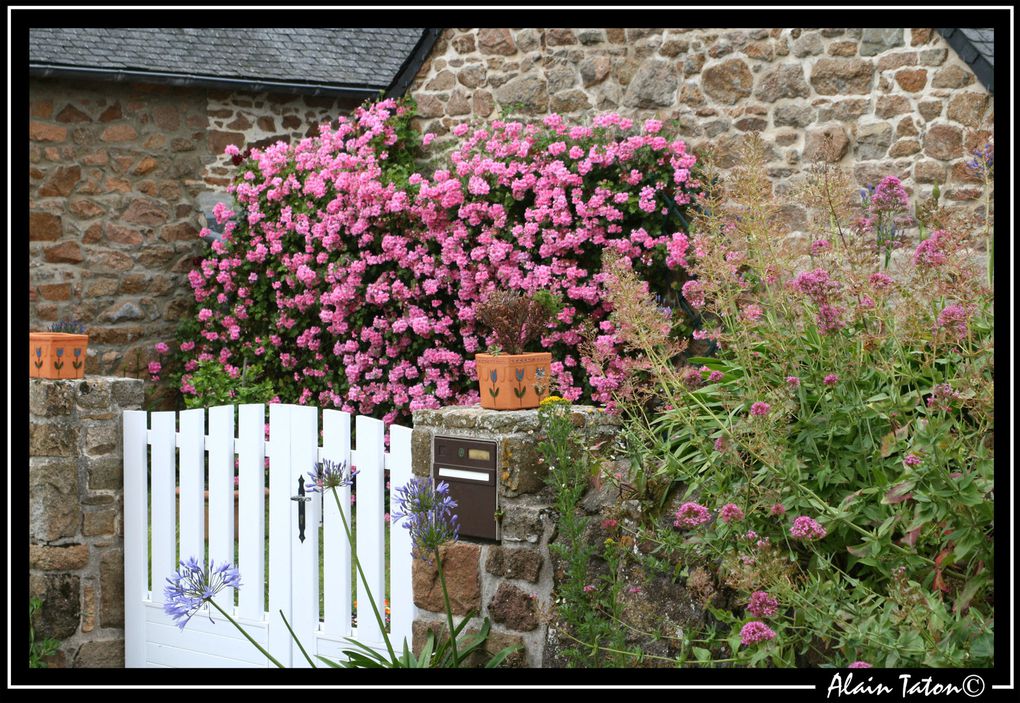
(254, 85)
(959, 42)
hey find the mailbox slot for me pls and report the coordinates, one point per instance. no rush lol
(469, 467)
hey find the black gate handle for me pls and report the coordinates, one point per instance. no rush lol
(301, 498)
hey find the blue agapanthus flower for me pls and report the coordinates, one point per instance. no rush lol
(192, 585)
(330, 474)
(427, 512)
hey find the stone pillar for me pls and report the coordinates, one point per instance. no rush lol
(76, 534)
(511, 583)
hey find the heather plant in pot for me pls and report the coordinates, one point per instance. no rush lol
(59, 353)
(509, 377)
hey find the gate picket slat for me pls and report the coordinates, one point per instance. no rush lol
(136, 530)
(304, 444)
(401, 597)
(336, 552)
(280, 506)
(192, 483)
(221, 493)
(164, 518)
(252, 506)
(369, 486)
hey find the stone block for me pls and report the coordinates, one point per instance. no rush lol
(129, 393)
(839, 76)
(726, 82)
(783, 81)
(460, 567)
(69, 557)
(99, 522)
(521, 470)
(111, 588)
(93, 393)
(56, 438)
(521, 524)
(61, 608)
(102, 654)
(105, 472)
(495, 643)
(515, 563)
(943, 142)
(421, 451)
(101, 437)
(514, 608)
(50, 398)
(54, 510)
(875, 41)
(873, 140)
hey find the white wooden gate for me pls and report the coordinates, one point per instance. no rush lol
(163, 454)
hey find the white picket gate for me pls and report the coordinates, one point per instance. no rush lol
(154, 455)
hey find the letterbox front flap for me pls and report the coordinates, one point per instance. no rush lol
(464, 452)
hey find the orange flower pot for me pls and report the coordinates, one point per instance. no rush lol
(513, 381)
(57, 355)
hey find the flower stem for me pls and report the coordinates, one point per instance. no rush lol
(258, 646)
(449, 613)
(364, 580)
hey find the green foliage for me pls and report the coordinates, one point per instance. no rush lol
(588, 606)
(214, 386)
(38, 651)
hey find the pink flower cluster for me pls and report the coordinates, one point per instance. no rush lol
(357, 289)
(807, 529)
(691, 515)
(730, 512)
(760, 408)
(754, 632)
(953, 318)
(762, 605)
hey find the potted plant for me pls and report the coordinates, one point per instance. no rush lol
(508, 376)
(59, 353)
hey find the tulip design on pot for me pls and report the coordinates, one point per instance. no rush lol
(48, 352)
(511, 378)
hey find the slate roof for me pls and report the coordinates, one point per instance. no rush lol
(349, 57)
(977, 49)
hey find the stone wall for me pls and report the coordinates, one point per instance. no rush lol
(895, 101)
(511, 582)
(121, 176)
(76, 530)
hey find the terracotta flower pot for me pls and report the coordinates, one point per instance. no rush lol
(513, 381)
(57, 354)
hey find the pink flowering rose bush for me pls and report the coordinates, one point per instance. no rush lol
(351, 277)
(846, 444)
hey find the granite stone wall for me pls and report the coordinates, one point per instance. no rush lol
(894, 101)
(510, 582)
(76, 515)
(121, 179)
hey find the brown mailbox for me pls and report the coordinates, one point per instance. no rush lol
(469, 466)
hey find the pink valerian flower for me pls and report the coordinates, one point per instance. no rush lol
(720, 444)
(778, 509)
(932, 252)
(820, 246)
(589, 588)
(943, 397)
(690, 515)
(760, 408)
(807, 529)
(794, 381)
(752, 313)
(831, 379)
(754, 632)
(953, 318)
(912, 460)
(890, 196)
(860, 665)
(817, 285)
(880, 281)
(830, 318)
(691, 377)
(731, 512)
(694, 293)
(762, 605)
(609, 524)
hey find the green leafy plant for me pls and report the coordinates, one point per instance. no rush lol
(214, 386)
(587, 605)
(38, 650)
(835, 454)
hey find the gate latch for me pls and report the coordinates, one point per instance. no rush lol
(301, 499)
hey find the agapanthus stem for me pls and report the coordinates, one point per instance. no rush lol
(449, 613)
(364, 580)
(240, 629)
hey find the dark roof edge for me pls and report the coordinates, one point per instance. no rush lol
(184, 80)
(984, 71)
(402, 81)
